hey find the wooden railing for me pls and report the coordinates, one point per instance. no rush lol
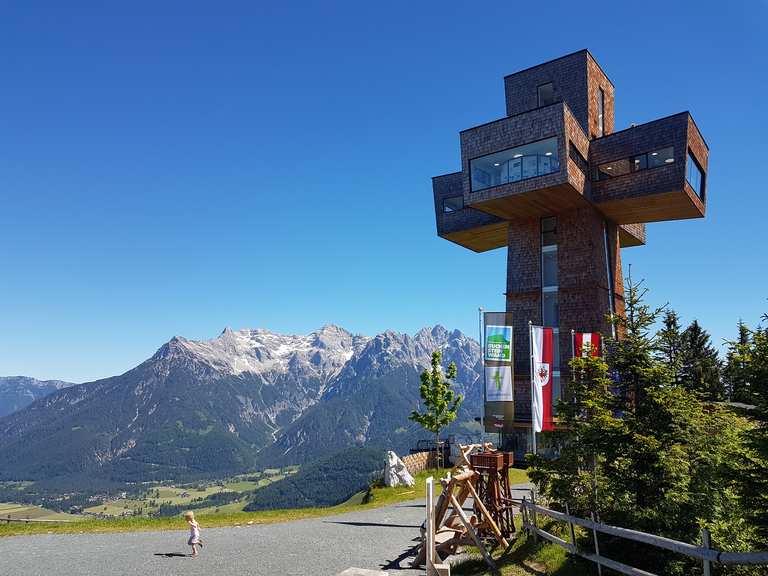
(8, 520)
(705, 553)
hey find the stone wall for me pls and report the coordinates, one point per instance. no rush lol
(419, 461)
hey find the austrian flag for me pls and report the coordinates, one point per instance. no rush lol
(541, 377)
(584, 340)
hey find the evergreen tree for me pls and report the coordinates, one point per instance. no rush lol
(736, 369)
(585, 441)
(669, 345)
(440, 400)
(700, 370)
(630, 355)
(646, 454)
(754, 477)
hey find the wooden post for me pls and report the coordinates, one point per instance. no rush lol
(570, 528)
(489, 519)
(430, 522)
(597, 547)
(524, 513)
(706, 543)
(535, 518)
(472, 534)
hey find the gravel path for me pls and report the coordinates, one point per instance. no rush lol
(380, 539)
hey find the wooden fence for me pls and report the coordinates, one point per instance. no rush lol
(8, 520)
(705, 553)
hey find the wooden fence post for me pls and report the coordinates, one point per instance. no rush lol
(597, 546)
(570, 528)
(430, 558)
(706, 543)
(535, 519)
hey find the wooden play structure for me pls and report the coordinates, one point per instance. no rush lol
(481, 474)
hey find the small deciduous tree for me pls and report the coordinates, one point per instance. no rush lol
(441, 402)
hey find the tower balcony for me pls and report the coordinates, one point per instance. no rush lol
(529, 165)
(651, 172)
(458, 223)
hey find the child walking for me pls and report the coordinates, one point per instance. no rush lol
(194, 532)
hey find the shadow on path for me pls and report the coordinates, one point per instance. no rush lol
(348, 523)
(172, 554)
(396, 564)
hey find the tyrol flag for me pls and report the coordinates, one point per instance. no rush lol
(542, 346)
(584, 340)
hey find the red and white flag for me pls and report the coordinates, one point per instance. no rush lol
(582, 340)
(542, 367)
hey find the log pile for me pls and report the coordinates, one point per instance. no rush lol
(481, 474)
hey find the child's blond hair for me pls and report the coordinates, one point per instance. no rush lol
(189, 515)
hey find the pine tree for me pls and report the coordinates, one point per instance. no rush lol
(585, 441)
(669, 345)
(440, 400)
(754, 477)
(700, 370)
(630, 355)
(736, 369)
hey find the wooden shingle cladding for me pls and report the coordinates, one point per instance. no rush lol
(653, 194)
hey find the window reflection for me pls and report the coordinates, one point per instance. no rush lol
(453, 203)
(515, 164)
(693, 174)
(654, 159)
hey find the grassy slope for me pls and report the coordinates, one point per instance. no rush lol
(526, 557)
(230, 515)
(382, 497)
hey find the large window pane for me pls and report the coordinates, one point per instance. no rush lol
(550, 309)
(694, 174)
(549, 267)
(661, 157)
(528, 161)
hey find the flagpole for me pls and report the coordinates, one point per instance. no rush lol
(533, 391)
(482, 365)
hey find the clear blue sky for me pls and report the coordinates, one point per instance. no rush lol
(178, 167)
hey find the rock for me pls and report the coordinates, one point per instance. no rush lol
(395, 472)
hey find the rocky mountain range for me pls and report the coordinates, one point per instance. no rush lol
(16, 392)
(249, 398)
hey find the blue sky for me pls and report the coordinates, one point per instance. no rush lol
(178, 167)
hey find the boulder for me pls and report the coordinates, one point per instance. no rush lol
(396, 473)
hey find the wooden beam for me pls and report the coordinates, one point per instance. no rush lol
(472, 534)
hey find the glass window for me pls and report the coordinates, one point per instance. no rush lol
(694, 174)
(601, 113)
(528, 161)
(550, 309)
(661, 157)
(546, 94)
(549, 266)
(613, 169)
(548, 231)
(453, 203)
(637, 163)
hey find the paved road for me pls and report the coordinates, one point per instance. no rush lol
(379, 539)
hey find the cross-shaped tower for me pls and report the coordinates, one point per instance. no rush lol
(554, 183)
